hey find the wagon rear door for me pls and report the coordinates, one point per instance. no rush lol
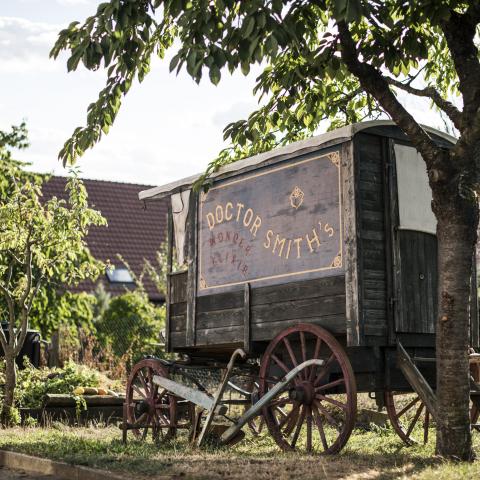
(415, 245)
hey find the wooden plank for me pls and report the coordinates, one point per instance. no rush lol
(169, 271)
(220, 318)
(416, 380)
(246, 319)
(305, 308)
(220, 336)
(266, 331)
(320, 287)
(220, 301)
(192, 269)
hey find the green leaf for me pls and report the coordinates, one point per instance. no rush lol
(215, 74)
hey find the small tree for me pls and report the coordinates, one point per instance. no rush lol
(38, 242)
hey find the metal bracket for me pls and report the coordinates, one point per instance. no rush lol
(218, 394)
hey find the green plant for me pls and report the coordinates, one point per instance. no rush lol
(131, 325)
(33, 384)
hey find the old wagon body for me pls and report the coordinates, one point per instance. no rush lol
(336, 231)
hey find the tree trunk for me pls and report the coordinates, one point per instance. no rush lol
(10, 383)
(456, 233)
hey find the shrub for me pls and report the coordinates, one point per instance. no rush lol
(131, 325)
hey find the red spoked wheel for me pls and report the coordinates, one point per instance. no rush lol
(409, 417)
(148, 406)
(316, 413)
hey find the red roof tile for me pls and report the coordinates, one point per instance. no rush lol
(134, 231)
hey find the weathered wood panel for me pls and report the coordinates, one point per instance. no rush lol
(372, 237)
(272, 226)
(178, 287)
(271, 309)
(418, 282)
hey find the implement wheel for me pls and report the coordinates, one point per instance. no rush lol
(405, 412)
(148, 406)
(317, 412)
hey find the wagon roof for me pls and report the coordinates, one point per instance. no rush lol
(336, 136)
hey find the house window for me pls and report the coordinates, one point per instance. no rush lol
(119, 275)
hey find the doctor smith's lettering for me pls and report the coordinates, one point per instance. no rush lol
(281, 222)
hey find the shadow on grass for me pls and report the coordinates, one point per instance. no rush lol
(367, 456)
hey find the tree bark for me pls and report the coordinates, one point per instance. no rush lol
(10, 383)
(456, 235)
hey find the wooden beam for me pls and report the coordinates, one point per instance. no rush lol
(350, 219)
(169, 272)
(416, 380)
(246, 318)
(192, 270)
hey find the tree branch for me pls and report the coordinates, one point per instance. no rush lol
(453, 113)
(460, 30)
(376, 85)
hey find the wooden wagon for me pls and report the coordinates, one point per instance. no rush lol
(319, 261)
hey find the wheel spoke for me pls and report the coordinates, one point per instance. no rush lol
(309, 429)
(299, 427)
(321, 431)
(338, 404)
(303, 345)
(280, 363)
(415, 419)
(142, 394)
(327, 415)
(426, 424)
(325, 370)
(408, 407)
(289, 416)
(289, 348)
(326, 386)
(144, 383)
(316, 353)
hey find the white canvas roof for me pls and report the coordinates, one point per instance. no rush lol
(339, 135)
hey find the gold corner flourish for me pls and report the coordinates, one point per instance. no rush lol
(334, 158)
(203, 283)
(337, 261)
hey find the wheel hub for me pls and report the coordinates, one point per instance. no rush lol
(303, 393)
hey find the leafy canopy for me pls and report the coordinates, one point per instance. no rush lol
(301, 45)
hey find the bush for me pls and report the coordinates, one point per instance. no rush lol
(131, 326)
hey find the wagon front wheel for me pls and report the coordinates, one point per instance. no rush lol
(316, 413)
(150, 408)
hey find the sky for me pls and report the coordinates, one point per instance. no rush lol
(168, 127)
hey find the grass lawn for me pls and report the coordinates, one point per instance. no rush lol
(376, 455)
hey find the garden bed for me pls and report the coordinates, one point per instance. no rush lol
(64, 408)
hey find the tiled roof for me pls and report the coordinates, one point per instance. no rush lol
(133, 231)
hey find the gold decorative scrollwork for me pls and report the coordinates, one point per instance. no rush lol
(203, 283)
(335, 158)
(337, 261)
(296, 197)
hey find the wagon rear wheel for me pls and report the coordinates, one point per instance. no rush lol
(317, 411)
(148, 406)
(407, 413)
